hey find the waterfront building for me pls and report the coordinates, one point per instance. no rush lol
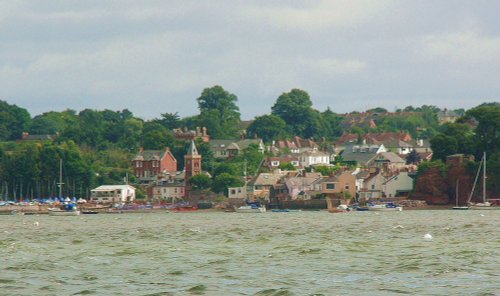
(113, 194)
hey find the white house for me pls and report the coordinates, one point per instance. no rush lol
(315, 157)
(113, 194)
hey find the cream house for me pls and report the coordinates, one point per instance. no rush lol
(113, 194)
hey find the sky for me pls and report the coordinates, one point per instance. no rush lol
(154, 57)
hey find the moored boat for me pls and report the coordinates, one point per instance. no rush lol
(65, 210)
(251, 207)
(485, 204)
(386, 207)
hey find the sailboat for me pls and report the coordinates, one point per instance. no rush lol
(67, 208)
(457, 207)
(485, 204)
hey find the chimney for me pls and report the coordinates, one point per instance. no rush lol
(25, 135)
(198, 131)
(204, 131)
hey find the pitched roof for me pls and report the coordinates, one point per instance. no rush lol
(233, 144)
(192, 149)
(389, 156)
(147, 155)
(360, 153)
(265, 179)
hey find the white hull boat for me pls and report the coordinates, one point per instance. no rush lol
(485, 204)
(250, 209)
(59, 212)
(385, 208)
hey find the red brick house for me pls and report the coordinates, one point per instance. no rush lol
(150, 165)
(191, 135)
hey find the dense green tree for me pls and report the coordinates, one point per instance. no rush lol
(332, 122)
(487, 133)
(377, 110)
(200, 181)
(219, 112)
(13, 121)
(413, 157)
(223, 181)
(156, 136)
(170, 120)
(268, 128)
(52, 122)
(295, 108)
(442, 146)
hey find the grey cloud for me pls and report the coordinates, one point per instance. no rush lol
(157, 56)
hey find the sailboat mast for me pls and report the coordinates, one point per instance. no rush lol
(475, 180)
(484, 177)
(60, 178)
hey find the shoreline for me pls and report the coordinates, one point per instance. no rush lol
(43, 210)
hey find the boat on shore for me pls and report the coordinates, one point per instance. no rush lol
(385, 207)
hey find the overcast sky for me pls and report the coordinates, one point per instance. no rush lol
(153, 57)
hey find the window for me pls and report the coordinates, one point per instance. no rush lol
(346, 187)
(233, 191)
(330, 186)
(373, 186)
(275, 163)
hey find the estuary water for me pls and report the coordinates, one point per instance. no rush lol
(216, 253)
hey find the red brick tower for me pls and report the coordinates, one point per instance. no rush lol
(192, 165)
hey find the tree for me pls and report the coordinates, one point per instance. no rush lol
(413, 157)
(13, 121)
(431, 184)
(200, 181)
(287, 166)
(223, 181)
(156, 136)
(170, 120)
(218, 112)
(268, 128)
(442, 146)
(325, 170)
(295, 108)
(488, 128)
(52, 122)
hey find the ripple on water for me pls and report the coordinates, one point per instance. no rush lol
(274, 292)
(197, 290)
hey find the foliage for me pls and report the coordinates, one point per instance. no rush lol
(295, 108)
(413, 157)
(225, 180)
(200, 181)
(325, 170)
(287, 166)
(13, 121)
(268, 128)
(218, 112)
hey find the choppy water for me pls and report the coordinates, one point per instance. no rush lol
(212, 253)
